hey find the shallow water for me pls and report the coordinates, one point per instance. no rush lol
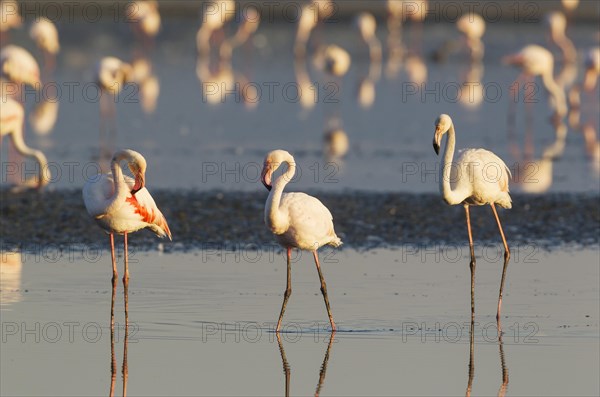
(190, 143)
(200, 324)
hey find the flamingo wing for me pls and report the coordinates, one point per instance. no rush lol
(145, 208)
(310, 221)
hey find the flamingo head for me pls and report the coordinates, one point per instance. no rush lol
(272, 162)
(442, 125)
(137, 165)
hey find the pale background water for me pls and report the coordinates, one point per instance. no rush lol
(192, 144)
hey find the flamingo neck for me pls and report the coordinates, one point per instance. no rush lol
(23, 149)
(451, 196)
(557, 93)
(275, 218)
(121, 189)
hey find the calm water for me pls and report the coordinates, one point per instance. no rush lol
(190, 143)
(200, 324)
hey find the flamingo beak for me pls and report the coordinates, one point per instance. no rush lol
(437, 138)
(140, 182)
(265, 176)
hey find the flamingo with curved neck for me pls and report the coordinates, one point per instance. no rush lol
(12, 119)
(478, 177)
(297, 220)
(535, 60)
(121, 204)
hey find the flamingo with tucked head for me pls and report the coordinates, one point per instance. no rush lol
(478, 177)
(121, 204)
(297, 220)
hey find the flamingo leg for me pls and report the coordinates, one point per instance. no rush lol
(506, 259)
(324, 290)
(126, 275)
(528, 121)
(471, 359)
(472, 263)
(114, 259)
(125, 370)
(288, 289)
(512, 115)
(286, 366)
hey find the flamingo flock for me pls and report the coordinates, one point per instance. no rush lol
(121, 204)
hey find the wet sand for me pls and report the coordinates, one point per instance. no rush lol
(217, 220)
(200, 324)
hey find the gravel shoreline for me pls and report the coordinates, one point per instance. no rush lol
(364, 220)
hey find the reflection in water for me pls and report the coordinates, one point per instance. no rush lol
(471, 358)
(536, 175)
(11, 267)
(218, 78)
(336, 144)
(322, 371)
(113, 360)
(557, 23)
(416, 69)
(216, 14)
(471, 89)
(44, 116)
(503, 366)
(394, 40)
(366, 90)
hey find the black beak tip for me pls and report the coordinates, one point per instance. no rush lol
(436, 147)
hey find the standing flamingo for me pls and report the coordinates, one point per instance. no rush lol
(297, 220)
(20, 68)
(478, 177)
(145, 20)
(43, 32)
(122, 205)
(12, 120)
(472, 26)
(535, 60)
(10, 18)
(111, 75)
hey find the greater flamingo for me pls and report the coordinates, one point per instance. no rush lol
(111, 75)
(12, 120)
(216, 14)
(18, 66)
(297, 220)
(535, 60)
(558, 25)
(472, 26)
(9, 17)
(145, 20)
(43, 32)
(120, 204)
(366, 90)
(336, 143)
(478, 177)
